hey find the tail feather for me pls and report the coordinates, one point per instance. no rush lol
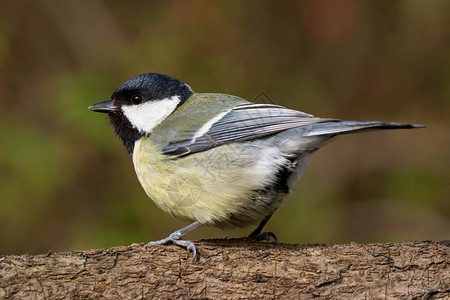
(334, 127)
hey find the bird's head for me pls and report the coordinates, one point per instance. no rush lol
(141, 104)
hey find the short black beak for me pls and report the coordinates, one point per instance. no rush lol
(104, 107)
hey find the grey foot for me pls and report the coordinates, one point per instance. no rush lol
(264, 236)
(174, 238)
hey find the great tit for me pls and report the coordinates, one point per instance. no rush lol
(217, 159)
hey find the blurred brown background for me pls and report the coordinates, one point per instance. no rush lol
(67, 183)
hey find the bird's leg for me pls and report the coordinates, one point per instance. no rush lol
(175, 236)
(263, 236)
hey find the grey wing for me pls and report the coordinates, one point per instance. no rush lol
(242, 123)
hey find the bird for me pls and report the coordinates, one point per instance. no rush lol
(217, 159)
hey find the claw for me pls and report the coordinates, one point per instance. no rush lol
(189, 245)
(174, 238)
(264, 236)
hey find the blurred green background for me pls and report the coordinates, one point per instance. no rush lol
(66, 181)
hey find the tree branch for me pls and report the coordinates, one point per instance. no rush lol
(234, 268)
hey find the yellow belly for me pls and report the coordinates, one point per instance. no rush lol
(208, 187)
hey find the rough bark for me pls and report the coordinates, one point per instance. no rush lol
(233, 269)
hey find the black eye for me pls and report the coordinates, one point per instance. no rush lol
(136, 99)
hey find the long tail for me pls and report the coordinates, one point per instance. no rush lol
(339, 127)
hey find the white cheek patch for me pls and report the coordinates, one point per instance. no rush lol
(146, 116)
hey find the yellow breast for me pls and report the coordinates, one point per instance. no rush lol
(207, 187)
